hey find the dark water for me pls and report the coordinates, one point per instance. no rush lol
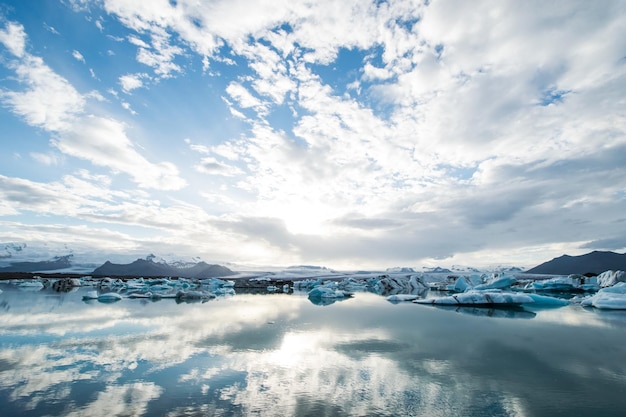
(281, 355)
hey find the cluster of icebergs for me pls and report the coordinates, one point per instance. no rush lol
(477, 290)
(111, 289)
(606, 291)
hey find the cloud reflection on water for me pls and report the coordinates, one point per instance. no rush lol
(279, 353)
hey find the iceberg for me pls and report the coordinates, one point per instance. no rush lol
(546, 301)
(194, 295)
(104, 298)
(570, 283)
(402, 297)
(328, 291)
(305, 284)
(497, 283)
(109, 297)
(480, 298)
(91, 295)
(411, 284)
(610, 298)
(479, 282)
(610, 278)
(30, 285)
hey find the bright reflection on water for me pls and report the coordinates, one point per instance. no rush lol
(282, 355)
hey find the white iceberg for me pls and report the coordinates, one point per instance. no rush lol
(161, 288)
(497, 283)
(402, 297)
(91, 295)
(109, 297)
(546, 301)
(194, 295)
(480, 298)
(411, 284)
(610, 298)
(565, 284)
(30, 285)
(610, 278)
(328, 291)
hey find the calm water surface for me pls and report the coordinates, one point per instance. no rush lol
(281, 355)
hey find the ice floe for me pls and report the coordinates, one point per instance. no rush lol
(480, 298)
(547, 301)
(411, 284)
(32, 285)
(396, 298)
(610, 278)
(328, 291)
(571, 283)
(610, 298)
(106, 297)
(478, 282)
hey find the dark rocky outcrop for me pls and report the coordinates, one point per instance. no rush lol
(148, 268)
(594, 262)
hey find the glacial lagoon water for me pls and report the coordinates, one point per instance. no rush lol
(282, 355)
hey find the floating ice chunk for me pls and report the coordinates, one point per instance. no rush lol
(109, 297)
(411, 284)
(566, 284)
(609, 301)
(461, 284)
(497, 283)
(609, 278)
(261, 279)
(307, 283)
(160, 288)
(480, 298)
(30, 285)
(324, 291)
(402, 297)
(136, 284)
(613, 298)
(545, 301)
(286, 288)
(194, 295)
(91, 295)
(619, 288)
(353, 285)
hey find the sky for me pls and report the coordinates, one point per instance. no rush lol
(351, 134)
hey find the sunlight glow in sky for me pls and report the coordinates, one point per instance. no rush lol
(350, 134)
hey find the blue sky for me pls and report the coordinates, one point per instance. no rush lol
(350, 134)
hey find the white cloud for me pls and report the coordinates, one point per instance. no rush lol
(212, 166)
(47, 158)
(127, 106)
(131, 82)
(104, 142)
(13, 38)
(49, 102)
(78, 56)
(243, 97)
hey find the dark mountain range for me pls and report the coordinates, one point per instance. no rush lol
(148, 268)
(59, 262)
(595, 262)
